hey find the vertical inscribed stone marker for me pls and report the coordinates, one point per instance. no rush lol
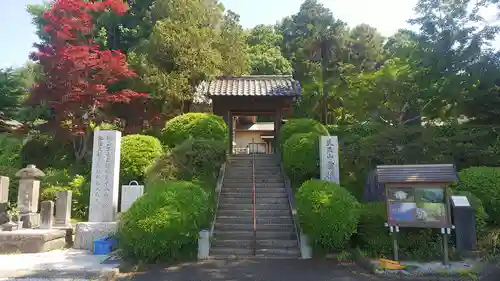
(46, 214)
(63, 208)
(4, 199)
(329, 158)
(104, 185)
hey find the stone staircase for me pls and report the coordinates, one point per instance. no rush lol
(275, 232)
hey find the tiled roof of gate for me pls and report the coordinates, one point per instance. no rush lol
(251, 85)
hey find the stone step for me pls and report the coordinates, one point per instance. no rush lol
(249, 243)
(249, 226)
(248, 173)
(249, 200)
(249, 189)
(248, 177)
(249, 212)
(258, 180)
(262, 185)
(250, 180)
(229, 206)
(260, 220)
(229, 194)
(260, 234)
(260, 253)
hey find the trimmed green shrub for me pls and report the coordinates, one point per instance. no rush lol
(193, 159)
(164, 224)
(301, 156)
(483, 182)
(481, 215)
(328, 214)
(372, 236)
(138, 153)
(300, 126)
(196, 125)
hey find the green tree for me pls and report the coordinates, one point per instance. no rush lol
(12, 90)
(264, 52)
(314, 41)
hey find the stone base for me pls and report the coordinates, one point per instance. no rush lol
(31, 220)
(87, 232)
(31, 240)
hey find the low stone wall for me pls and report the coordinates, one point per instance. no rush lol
(32, 240)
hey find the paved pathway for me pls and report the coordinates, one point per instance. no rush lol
(254, 270)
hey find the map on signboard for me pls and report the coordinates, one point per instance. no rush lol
(417, 205)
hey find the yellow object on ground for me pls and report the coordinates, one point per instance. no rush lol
(388, 264)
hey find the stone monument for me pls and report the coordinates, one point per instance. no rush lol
(4, 199)
(28, 195)
(329, 158)
(104, 188)
(130, 193)
(63, 208)
(46, 214)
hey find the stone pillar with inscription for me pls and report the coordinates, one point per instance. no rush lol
(329, 158)
(63, 208)
(28, 195)
(104, 188)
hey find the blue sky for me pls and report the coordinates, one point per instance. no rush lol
(386, 15)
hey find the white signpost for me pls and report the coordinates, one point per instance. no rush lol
(104, 185)
(329, 158)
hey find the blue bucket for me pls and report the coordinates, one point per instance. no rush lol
(104, 245)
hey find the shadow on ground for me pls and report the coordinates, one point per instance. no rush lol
(253, 270)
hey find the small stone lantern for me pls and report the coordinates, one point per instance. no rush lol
(28, 195)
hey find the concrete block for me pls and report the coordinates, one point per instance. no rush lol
(32, 240)
(87, 232)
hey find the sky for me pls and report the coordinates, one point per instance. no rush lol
(386, 15)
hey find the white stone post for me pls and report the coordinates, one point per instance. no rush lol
(305, 248)
(204, 245)
(329, 158)
(105, 178)
(104, 190)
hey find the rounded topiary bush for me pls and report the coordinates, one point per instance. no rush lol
(196, 125)
(164, 224)
(328, 214)
(301, 126)
(372, 236)
(301, 156)
(138, 153)
(192, 159)
(483, 182)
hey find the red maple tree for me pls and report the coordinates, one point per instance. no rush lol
(76, 72)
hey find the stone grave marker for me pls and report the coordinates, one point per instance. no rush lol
(104, 187)
(28, 195)
(46, 214)
(130, 193)
(4, 199)
(63, 208)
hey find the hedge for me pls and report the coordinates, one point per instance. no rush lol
(328, 214)
(164, 224)
(193, 159)
(196, 125)
(301, 156)
(138, 153)
(300, 126)
(483, 182)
